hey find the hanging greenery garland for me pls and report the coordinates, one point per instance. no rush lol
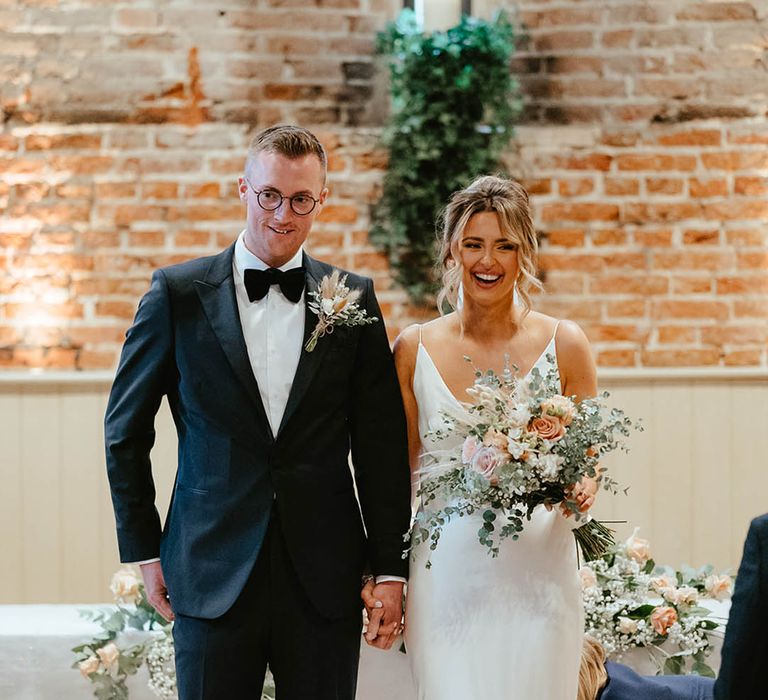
(454, 103)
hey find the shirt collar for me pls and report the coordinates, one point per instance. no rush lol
(246, 260)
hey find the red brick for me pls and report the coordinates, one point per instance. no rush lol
(160, 190)
(736, 160)
(630, 308)
(536, 186)
(129, 213)
(663, 185)
(191, 238)
(83, 335)
(747, 237)
(676, 335)
(115, 309)
(699, 237)
(757, 284)
(216, 211)
(560, 16)
(743, 358)
(668, 88)
(92, 359)
(115, 190)
(339, 213)
(695, 137)
(202, 190)
(82, 165)
(752, 260)
(750, 308)
(80, 142)
(750, 185)
(707, 188)
(560, 283)
(617, 358)
(620, 186)
(693, 260)
(658, 212)
(615, 333)
(146, 239)
(570, 261)
(655, 161)
(748, 137)
(718, 11)
(566, 237)
(735, 335)
(689, 357)
(590, 161)
(642, 285)
(40, 310)
(692, 284)
(563, 41)
(364, 262)
(608, 236)
(714, 310)
(737, 209)
(575, 188)
(580, 211)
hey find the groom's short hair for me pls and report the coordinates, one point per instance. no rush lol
(289, 141)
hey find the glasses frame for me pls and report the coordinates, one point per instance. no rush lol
(282, 198)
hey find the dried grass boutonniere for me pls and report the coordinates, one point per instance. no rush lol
(335, 305)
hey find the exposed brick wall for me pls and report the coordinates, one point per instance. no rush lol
(644, 145)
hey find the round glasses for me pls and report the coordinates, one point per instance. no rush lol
(269, 200)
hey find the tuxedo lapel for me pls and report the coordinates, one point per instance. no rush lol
(217, 295)
(309, 362)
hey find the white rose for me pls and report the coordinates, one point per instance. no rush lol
(718, 587)
(659, 583)
(627, 625)
(108, 654)
(637, 548)
(550, 466)
(125, 586)
(89, 666)
(327, 305)
(514, 447)
(519, 414)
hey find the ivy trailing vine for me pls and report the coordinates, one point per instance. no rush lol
(454, 103)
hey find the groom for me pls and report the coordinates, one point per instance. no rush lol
(260, 558)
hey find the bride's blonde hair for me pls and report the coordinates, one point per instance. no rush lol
(509, 200)
(592, 673)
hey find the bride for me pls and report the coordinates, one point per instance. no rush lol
(477, 627)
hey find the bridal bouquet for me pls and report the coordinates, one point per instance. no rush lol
(523, 444)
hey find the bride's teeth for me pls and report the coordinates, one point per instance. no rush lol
(487, 278)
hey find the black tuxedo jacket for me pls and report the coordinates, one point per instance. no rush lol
(745, 647)
(186, 343)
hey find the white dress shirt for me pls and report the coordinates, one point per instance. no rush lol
(273, 329)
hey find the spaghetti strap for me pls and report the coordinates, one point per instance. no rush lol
(420, 343)
(553, 334)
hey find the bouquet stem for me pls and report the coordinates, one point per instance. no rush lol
(594, 539)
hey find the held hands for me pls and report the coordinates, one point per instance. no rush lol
(157, 593)
(583, 493)
(384, 605)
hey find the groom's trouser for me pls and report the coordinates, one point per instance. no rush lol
(272, 622)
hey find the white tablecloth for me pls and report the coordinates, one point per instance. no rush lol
(35, 658)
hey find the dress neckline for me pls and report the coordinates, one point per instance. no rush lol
(447, 388)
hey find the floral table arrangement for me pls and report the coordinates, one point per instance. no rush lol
(629, 602)
(134, 634)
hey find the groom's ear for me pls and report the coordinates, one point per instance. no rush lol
(322, 198)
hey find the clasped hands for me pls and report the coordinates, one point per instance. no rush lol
(384, 607)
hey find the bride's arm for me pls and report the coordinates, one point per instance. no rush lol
(578, 377)
(405, 350)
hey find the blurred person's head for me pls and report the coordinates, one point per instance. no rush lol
(592, 673)
(283, 188)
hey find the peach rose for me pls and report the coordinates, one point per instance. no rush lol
(108, 654)
(485, 461)
(547, 427)
(588, 578)
(638, 548)
(495, 438)
(559, 407)
(659, 583)
(125, 586)
(89, 666)
(662, 619)
(718, 587)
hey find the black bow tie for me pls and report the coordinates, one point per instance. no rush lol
(258, 282)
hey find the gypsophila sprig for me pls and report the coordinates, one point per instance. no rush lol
(335, 304)
(524, 445)
(630, 602)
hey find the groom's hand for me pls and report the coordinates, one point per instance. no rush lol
(157, 593)
(384, 604)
